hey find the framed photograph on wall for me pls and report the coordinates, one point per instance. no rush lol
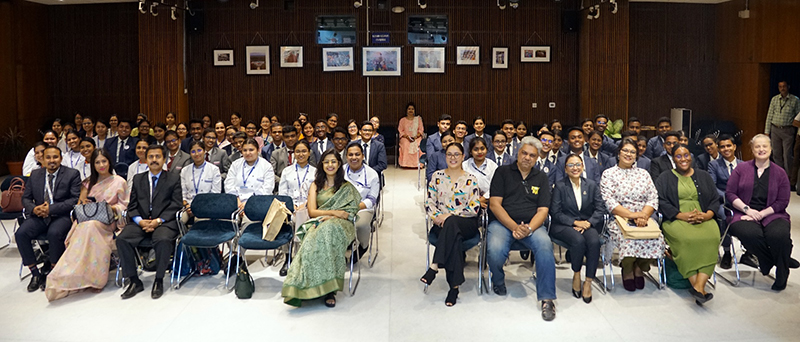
(337, 59)
(468, 55)
(535, 54)
(500, 58)
(429, 59)
(291, 57)
(223, 57)
(257, 60)
(381, 61)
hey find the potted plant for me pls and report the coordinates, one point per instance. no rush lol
(13, 150)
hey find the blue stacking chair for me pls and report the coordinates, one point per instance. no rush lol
(423, 158)
(216, 222)
(478, 240)
(250, 236)
(13, 215)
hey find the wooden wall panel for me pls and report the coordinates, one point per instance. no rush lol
(672, 60)
(31, 67)
(463, 91)
(95, 69)
(161, 73)
(779, 30)
(603, 65)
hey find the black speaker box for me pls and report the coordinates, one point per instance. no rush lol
(569, 20)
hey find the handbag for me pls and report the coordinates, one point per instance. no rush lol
(273, 222)
(245, 286)
(633, 232)
(11, 200)
(94, 211)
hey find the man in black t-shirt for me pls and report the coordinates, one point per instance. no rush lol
(520, 201)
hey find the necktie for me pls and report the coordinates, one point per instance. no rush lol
(290, 157)
(321, 147)
(49, 191)
(169, 165)
(500, 160)
(553, 159)
(207, 157)
(508, 148)
(541, 164)
(366, 154)
(730, 168)
(152, 190)
(119, 147)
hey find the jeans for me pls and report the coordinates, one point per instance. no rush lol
(499, 240)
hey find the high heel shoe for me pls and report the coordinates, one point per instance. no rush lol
(429, 276)
(576, 293)
(452, 297)
(587, 300)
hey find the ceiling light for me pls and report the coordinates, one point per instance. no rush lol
(153, 9)
(614, 6)
(514, 3)
(423, 4)
(254, 4)
(173, 15)
(141, 7)
(358, 3)
(501, 5)
(398, 9)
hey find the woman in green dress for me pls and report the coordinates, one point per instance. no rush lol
(687, 199)
(319, 267)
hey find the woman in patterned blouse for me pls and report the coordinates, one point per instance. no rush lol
(452, 204)
(629, 192)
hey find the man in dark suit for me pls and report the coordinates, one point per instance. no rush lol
(122, 147)
(499, 154)
(154, 200)
(50, 195)
(434, 143)
(720, 170)
(664, 162)
(284, 156)
(374, 151)
(323, 143)
(276, 131)
(712, 152)
(576, 139)
(196, 134)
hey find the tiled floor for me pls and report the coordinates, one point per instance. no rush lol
(390, 305)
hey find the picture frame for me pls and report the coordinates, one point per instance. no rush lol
(291, 56)
(381, 61)
(337, 59)
(468, 55)
(223, 57)
(535, 54)
(429, 60)
(257, 60)
(499, 58)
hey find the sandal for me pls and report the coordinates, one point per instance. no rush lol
(429, 276)
(330, 300)
(452, 296)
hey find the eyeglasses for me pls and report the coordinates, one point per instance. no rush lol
(339, 139)
(601, 122)
(686, 156)
(628, 151)
(667, 143)
(211, 136)
(454, 155)
(574, 165)
(709, 144)
(366, 130)
(549, 141)
(196, 151)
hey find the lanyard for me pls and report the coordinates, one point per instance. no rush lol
(300, 183)
(84, 170)
(475, 167)
(199, 179)
(71, 161)
(365, 176)
(244, 166)
(146, 167)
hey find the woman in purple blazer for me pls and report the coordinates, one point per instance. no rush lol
(759, 192)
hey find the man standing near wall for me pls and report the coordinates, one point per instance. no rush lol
(782, 109)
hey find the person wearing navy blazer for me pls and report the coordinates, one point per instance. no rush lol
(499, 141)
(437, 160)
(590, 167)
(123, 143)
(578, 224)
(320, 146)
(434, 143)
(374, 150)
(50, 218)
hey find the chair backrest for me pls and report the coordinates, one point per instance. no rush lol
(214, 206)
(423, 145)
(257, 206)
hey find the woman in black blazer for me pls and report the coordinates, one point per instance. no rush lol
(578, 223)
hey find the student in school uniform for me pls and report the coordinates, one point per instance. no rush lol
(250, 175)
(199, 177)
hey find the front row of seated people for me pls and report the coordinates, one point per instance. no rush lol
(519, 200)
(687, 198)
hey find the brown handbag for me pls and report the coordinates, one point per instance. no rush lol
(11, 200)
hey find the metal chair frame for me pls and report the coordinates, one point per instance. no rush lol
(423, 147)
(604, 284)
(738, 280)
(277, 251)
(351, 287)
(377, 221)
(484, 223)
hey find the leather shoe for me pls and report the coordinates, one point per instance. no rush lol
(284, 269)
(132, 289)
(158, 289)
(499, 290)
(37, 281)
(725, 262)
(749, 259)
(639, 282)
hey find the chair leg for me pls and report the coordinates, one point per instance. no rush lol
(373, 244)
(735, 268)
(481, 248)
(230, 260)
(6, 231)
(353, 286)
(427, 262)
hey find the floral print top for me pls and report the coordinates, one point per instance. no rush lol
(458, 197)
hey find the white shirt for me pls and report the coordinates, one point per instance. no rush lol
(730, 165)
(295, 182)
(30, 164)
(200, 180)
(47, 188)
(366, 182)
(576, 189)
(135, 169)
(73, 159)
(85, 170)
(366, 150)
(244, 180)
(483, 173)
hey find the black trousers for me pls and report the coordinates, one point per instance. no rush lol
(163, 243)
(580, 246)
(448, 253)
(32, 227)
(772, 244)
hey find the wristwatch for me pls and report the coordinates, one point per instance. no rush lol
(746, 208)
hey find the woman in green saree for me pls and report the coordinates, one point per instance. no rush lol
(319, 267)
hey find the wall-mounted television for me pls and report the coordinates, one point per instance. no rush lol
(336, 30)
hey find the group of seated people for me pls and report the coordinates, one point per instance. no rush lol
(533, 188)
(147, 178)
(537, 192)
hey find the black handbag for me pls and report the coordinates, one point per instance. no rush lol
(94, 211)
(245, 286)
